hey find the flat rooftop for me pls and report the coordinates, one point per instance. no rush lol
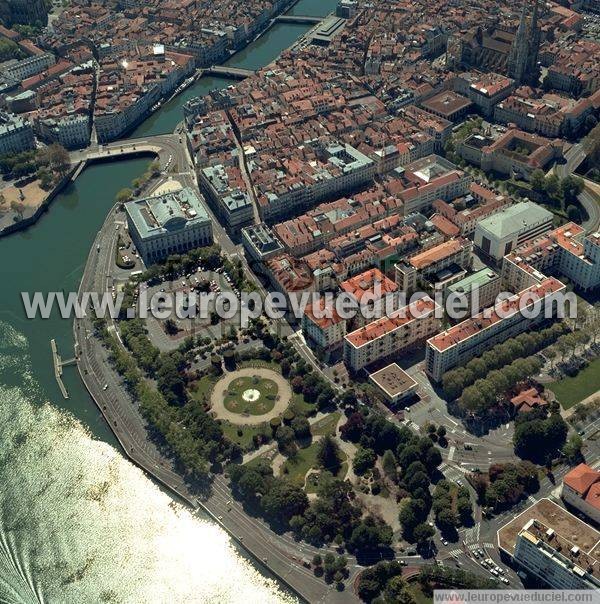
(515, 219)
(552, 516)
(476, 280)
(447, 103)
(393, 380)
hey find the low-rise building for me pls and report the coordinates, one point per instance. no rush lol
(167, 224)
(479, 289)
(394, 383)
(390, 335)
(448, 105)
(552, 546)
(506, 319)
(499, 234)
(581, 489)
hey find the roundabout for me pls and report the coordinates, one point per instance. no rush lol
(250, 396)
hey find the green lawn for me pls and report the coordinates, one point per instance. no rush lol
(414, 588)
(201, 389)
(326, 425)
(302, 462)
(572, 390)
(265, 389)
(247, 433)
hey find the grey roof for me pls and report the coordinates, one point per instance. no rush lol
(169, 212)
(515, 219)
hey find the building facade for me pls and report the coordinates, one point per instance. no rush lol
(168, 224)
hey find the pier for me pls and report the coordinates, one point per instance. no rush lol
(58, 367)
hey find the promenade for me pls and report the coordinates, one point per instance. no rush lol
(280, 554)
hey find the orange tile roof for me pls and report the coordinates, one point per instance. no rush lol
(331, 316)
(593, 496)
(419, 309)
(509, 307)
(581, 478)
(372, 281)
(437, 253)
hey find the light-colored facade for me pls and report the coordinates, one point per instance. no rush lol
(20, 70)
(459, 344)
(499, 234)
(552, 546)
(389, 336)
(16, 134)
(228, 198)
(566, 250)
(455, 251)
(479, 289)
(322, 326)
(581, 490)
(168, 224)
(260, 242)
(72, 131)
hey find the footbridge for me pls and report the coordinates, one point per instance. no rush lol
(298, 19)
(229, 72)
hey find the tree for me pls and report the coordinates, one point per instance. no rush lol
(353, 429)
(329, 455)
(57, 157)
(301, 427)
(388, 463)
(284, 500)
(285, 440)
(364, 459)
(537, 180)
(124, 195)
(446, 519)
(422, 533)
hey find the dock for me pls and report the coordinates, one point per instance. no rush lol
(58, 367)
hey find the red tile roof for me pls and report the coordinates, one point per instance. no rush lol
(581, 478)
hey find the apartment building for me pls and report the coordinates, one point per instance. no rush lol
(226, 190)
(71, 131)
(300, 184)
(322, 326)
(479, 289)
(481, 202)
(16, 134)
(25, 68)
(432, 261)
(485, 90)
(581, 490)
(566, 250)
(428, 179)
(167, 224)
(497, 235)
(389, 336)
(470, 338)
(553, 547)
(260, 242)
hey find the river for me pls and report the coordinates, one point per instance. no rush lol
(78, 522)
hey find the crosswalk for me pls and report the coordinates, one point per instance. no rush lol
(452, 473)
(471, 534)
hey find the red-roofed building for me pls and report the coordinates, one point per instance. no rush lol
(370, 286)
(527, 400)
(322, 325)
(466, 340)
(581, 489)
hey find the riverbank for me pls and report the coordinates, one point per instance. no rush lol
(280, 554)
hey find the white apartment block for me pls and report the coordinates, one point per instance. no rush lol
(16, 134)
(323, 327)
(464, 341)
(390, 335)
(25, 68)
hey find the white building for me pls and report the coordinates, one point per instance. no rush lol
(25, 68)
(499, 234)
(391, 335)
(71, 131)
(16, 134)
(322, 326)
(168, 224)
(552, 546)
(459, 344)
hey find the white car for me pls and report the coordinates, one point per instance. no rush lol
(504, 580)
